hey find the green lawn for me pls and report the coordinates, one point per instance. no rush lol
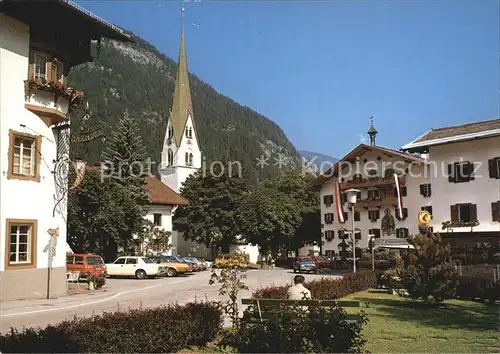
(399, 325)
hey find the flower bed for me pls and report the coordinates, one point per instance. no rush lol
(157, 330)
(325, 288)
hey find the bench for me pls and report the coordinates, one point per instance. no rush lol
(266, 308)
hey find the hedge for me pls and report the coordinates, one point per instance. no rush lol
(325, 288)
(163, 329)
(478, 287)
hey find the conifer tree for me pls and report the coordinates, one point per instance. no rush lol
(428, 271)
(123, 156)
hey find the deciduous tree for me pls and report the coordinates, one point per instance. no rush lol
(210, 217)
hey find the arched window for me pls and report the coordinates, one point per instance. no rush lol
(187, 132)
(170, 132)
(190, 159)
(186, 159)
(190, 133)
(170, 157)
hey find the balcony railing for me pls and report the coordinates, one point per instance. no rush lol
(376, 202)
(371, 182)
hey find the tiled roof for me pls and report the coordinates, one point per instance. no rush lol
(359, 150)
(470, 128)
(160, 193)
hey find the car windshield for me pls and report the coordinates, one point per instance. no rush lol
(147, 260)
(94, 260)
(306, 260)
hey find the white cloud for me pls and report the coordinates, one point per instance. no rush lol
(362, 138)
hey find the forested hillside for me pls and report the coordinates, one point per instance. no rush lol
(138, 78)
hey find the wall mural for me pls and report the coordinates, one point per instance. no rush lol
(388, 225)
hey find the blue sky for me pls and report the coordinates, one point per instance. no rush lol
(320, 69)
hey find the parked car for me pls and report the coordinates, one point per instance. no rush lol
(199, 264)
(173, 267)
(192, 263)
(321, 261)
(85, 263)
(208, 264)
(180, 260)
(133, 266)
(304, 265)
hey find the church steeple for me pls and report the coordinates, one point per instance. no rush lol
(182, 105)
(372, 132)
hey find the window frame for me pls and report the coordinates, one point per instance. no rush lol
(51, 67)
(426, 190)
(377, 214)
(38, 146)
(33, 223)
(170, 157)
(155, 215)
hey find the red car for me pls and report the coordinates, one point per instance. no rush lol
(321, 261)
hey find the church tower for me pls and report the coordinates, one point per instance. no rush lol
(181, 154)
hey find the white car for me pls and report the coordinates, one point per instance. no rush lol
(133, 266)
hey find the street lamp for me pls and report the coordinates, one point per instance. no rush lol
(351, 199)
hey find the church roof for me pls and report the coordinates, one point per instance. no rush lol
(182, 105)
(160, 193)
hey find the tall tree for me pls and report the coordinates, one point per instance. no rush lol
(269, 218)
(209, 218)
(300, 187)
(99, 216)
(124, 158)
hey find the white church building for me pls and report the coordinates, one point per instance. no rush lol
(181, 157)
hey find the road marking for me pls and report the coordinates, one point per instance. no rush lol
(90, 302)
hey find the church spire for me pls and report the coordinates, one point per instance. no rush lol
(372, 132)
(182, 106)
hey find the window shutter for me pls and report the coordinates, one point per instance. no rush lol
(405, 213)
(422, 189)
(377, 233)
(325, 199)
(403, 191)
(492, 166)
(495, 211)
(53, 71)
(454, 212)
(451, 174)
(346, 215)
(470, 171)
(330, 199)
(473, 212)
(429, 190)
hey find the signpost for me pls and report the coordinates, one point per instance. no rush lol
(51, 252)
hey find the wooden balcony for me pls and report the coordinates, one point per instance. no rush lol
(371, 182)
(376, 203)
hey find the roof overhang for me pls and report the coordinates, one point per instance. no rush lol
(69, 17)
(416, 146)
(359, 151)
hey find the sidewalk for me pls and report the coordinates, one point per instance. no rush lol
(11, 307)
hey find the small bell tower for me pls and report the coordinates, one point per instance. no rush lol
(372, 132)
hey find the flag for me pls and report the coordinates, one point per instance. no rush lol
(399, 196)
(338, 202)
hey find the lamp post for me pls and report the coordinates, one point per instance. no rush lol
(351, 199)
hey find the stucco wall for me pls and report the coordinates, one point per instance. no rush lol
(413, 201)
(25, 199)
(481, 191)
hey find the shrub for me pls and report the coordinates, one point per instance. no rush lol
(325, 288)
(293, 330)
(428, 271)
(162, 329)
(478, 287)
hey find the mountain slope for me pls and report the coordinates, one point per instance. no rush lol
(137, 78)
(318, 162)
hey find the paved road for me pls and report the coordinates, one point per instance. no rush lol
(124, 294)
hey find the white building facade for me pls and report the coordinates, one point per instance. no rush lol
(370, 169)
(34, 145)
(464, 179)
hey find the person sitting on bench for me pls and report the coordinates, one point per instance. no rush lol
(298, 291)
